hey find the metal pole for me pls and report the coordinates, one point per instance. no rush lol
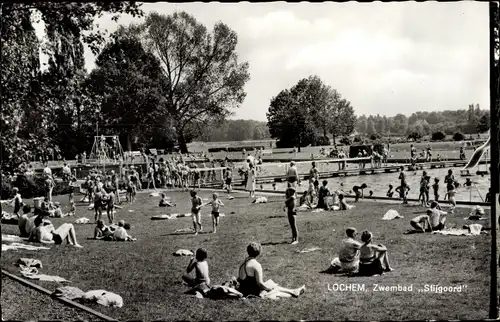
(494, 156)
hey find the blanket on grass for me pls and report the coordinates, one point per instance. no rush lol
(16, 246)
(391, 214)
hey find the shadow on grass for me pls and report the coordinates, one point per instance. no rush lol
(275, 243)
(186, 233)
(271, 217)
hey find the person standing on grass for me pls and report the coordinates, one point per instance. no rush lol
(196, 204)
(115, 180)
(251, 180)
(314, 176)
(358, 191)
(229, 178)
(292, 175)
(216, 203)
(49, 187)
(290, 204)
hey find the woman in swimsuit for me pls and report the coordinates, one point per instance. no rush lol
(250, 277)
(372, 257)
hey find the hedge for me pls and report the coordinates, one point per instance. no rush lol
(31, 187)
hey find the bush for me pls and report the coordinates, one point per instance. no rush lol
(458, 136)
(438, 136)
(322, 140)
(414, 136)
(375, 136)
(358, 139)
(345, 140)
(31, 187)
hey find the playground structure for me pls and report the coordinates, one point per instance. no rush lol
(104, 152)
(475, 160)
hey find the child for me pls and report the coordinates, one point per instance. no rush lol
(72, 186)
(200, 284)
(103, 232)
(196, 178)
(390, 193)
(215, 203)
(403, 193)
(322, 194)
(358, 190)
(488, 196)
(98, 201)
(164, 202)
(72, 209)
(16, 202)
(290, 203)
(435, 188)
(423, 195)
(131, 189)
(274, 186)
(229, 179)
(110, 206)
(468, 183)
(343, 204)
(197, 203)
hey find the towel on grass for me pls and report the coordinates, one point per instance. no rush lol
(308, 250)
(184, 230)
(230, 198)
(222, 292)
(82, 220)
(29, 262)
(17, 246)
(183, 252)
(260, 200)
(154, 194)
(162, 217)
(318, 210)
(42, 277)
(391, 214)
(12, 238)
(471, 230)
(131, 210)
(68, 292)
(104, 298)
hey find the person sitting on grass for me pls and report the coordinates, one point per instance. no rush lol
(47, 234)
(26, 222)
(120, 233)
(358, 191)
(343, 204)
(164, 202)
(102, 231)
(373, 259)
(432, 220)
(349, 252)
(200, 284)
(250, 278)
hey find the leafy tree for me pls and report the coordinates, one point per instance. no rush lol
(370, 129)
(203, 79)
(31, 98)
(484, 122)
(458, 136)
(438, 136)
(129, 82)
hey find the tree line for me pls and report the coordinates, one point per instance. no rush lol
(467, 121)
(155, 84)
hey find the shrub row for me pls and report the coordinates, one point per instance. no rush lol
(30, 187)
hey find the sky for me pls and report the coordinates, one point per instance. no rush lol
(385, 58)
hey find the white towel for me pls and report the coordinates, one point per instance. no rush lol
(453, 232)
(17, 246)
(475, 229)
(12, 238)
(260, 200)
(104, 298)
(154, 194)
(82, 220)
(391, 214)
(183, 252)
(308, 250)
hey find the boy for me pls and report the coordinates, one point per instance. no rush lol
(200, 284)
(197, 203)
(403, 193)
(216, 204)
(390, 193)
(435, 188)
(358, 191)
(16, 202)
(110, 206)
(229, 179)
(290, 203)
(424, 186)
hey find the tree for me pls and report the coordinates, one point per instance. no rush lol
(129, 82)
(203, 79)
(31, 98)
(458, 136)
(438, 136)
(370, 129)
(484, 122)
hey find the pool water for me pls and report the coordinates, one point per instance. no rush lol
(379, 183)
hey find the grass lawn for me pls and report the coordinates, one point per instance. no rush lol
(147, 275)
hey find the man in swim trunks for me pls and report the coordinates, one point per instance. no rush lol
(47, 234)
(197, 203)
(292, 175)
